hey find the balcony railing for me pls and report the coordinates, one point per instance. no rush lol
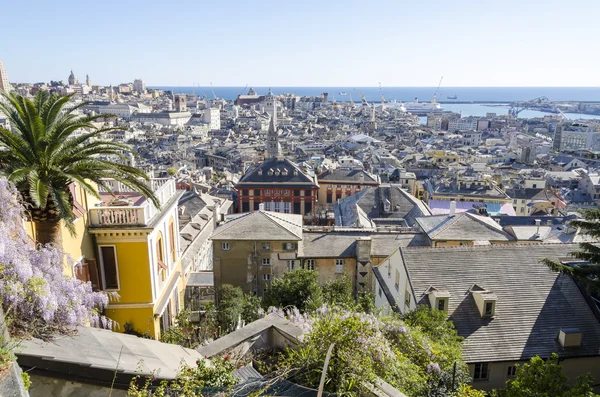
(138, 215)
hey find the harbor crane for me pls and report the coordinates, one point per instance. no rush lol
(437, 89)
(518, 107)
(362, 98)
(562, 114)
(213, 91)
(382, 98)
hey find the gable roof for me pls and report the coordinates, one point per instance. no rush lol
(261, 225)
(533, 304)
(348, 175)
(462, 226)
(289, 174)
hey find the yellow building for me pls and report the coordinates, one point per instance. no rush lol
(443, 156)
(79, 246)
(138, 256)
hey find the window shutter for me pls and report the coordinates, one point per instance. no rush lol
(92, 269)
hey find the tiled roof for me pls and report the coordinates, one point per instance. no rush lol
(347, 175)
(261, 225)
(533, 304)
(462, 226)
(275, 171)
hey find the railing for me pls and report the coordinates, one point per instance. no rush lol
(164, 189)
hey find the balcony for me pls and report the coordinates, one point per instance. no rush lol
(127, 207)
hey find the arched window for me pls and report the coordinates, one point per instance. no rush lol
(160, 256)
(172, 244)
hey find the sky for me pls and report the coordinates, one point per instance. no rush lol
(304, 43)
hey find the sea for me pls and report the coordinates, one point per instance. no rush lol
(489, 99)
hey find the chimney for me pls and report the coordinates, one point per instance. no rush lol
(452, 211)
(215, 215)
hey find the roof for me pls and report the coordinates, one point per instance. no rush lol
(462, 226)
(533, 302)
(94, 353)
(201, 279)
(439, 207)
(348, 175)
(261, 225)
(531, 194)
(343, 244)
(275, 171)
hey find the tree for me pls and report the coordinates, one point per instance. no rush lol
(172, 171)
(298, 288)
(539, 378)
(339, 293)
(50, 147)
(370, 346)
(35, 295)
(587, 275)
(234, 306)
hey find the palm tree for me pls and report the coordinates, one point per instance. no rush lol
(50, 147)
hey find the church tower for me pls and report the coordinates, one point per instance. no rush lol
(272, 141)
(270, 105)
(72, 79)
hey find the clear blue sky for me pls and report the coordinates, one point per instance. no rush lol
(304, 43)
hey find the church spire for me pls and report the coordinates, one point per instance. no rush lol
(272, 141)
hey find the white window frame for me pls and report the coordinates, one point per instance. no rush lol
(114, 247)
(265, 246)
(225, 244)
(487, 371)
(310, 264)
(339, 266)
(291, 264)
(267, 277)
(266, 261)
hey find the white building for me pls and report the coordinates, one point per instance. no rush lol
(212, 116)
(4, 84)
(463, 124)
(139, 86)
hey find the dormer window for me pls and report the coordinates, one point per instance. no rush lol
(438, 299)
(485, 300)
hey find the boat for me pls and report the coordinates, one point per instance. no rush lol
(343, 93)
(452, 97)
(417, 107)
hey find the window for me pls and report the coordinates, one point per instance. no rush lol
(338, 186)
(265, 246)
(276, 192)
(267, 192)
(481, 371)
(307, 193)
(329, 198)
(407, 297)
(441, 304)
(287, 208)
(339, 266)
(225, 246)
(380, 293)
(172, 240)
(309, 264)
(286, 192)
(296, 193)
(489, 306)
(110, 270)
(307, 208)
(512, 371)
(244, 192)
(256, 192)
(160, 256)
(291, 265)
(397, 282)
(338, 196)
(266, 261)
(245, 206)
(266, 277)
(289, 246)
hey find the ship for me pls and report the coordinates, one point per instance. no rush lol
(343, 93)
(452, 97)
(422, 108)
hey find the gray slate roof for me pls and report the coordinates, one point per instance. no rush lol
(463, 226)
(533, 301)
(94, 353)
(343, 244)
(293, 177)
(347, 175)
(261, 225)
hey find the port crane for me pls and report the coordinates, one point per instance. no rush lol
(213, 91)
(518, 107)
(437, 89)
(382, 98)
(362, 98)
